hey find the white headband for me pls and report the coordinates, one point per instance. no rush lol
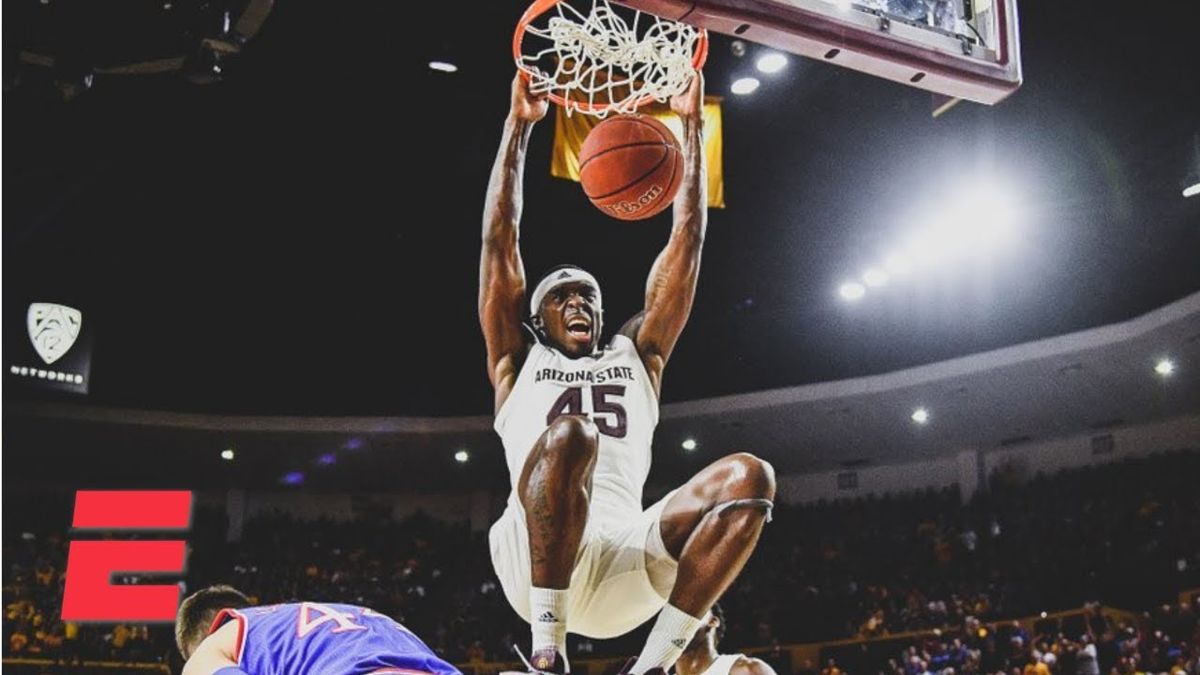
(557, 278)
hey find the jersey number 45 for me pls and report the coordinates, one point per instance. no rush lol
(603, 403)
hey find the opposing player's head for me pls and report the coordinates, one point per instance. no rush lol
(566, 310)
(709, 635)
(199, 610)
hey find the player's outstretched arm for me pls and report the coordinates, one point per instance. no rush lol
(501, 272)
(215, 653)
(672, 283)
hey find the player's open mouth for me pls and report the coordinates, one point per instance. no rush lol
(579, 328)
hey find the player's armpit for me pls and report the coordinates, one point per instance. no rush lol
(631, 327)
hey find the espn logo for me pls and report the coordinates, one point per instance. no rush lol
(89, 593)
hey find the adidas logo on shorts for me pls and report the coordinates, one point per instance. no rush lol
(548, 617)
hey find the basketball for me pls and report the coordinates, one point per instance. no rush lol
(631, 166)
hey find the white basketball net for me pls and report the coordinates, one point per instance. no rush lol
(607, 62)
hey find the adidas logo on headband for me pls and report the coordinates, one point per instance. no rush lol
(557, 278)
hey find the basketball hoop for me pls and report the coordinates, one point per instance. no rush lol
(603, 61)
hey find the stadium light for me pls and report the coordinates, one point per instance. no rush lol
(227, 454)
(1191, 190)
(974, 219)
(443, 67)
(744, 85)
(1164, 367)
(462, 456)
(689, 444)
(898, 264)
(920, 416)
(852, 290)
(875, 277)
(771, 63)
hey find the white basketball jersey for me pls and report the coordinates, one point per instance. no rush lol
(614, 390)
(722, 665)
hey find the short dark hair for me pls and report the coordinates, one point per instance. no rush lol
(199, 610)
(720, 614)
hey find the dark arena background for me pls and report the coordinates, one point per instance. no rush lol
(241, 258)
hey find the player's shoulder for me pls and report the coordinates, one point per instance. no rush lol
(748, 665)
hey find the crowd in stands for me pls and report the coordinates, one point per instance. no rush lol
(1092, 642)
(33, 579)
(1126, 535)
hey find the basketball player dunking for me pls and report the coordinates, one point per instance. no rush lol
(702, 658)
(574, 550)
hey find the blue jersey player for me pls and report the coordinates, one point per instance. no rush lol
(218, 633)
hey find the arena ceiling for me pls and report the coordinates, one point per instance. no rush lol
(301, 238)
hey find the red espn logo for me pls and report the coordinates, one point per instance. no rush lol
(89, 594)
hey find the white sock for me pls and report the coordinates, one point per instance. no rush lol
(671, 633)
(548, 618)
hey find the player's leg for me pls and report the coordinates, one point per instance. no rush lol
(710, 526)
(554, 489)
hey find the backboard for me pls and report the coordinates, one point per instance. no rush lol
(967, 49)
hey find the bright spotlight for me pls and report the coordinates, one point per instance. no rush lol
(933, 245)
(920, 416)
(975, 219)
(875, 277)
(771, 63)
(462, 456)
(744, 85)
(443, 67)
(227, 454)
(1191, 190)
(1164, 367)
(995, 217)
(852, 290)
(898, 264)
(689, 444)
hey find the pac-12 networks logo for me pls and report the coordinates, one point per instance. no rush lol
(89, 594)
(53, 329)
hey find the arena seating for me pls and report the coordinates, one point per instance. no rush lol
(914, 584)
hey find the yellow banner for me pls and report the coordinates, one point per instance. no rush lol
(570, 130)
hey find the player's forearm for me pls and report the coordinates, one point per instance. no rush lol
(676, 268)
(691, 202)
(501, 276)
(502, 211)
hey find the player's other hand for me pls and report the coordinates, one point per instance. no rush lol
(527, 106)
(690, 102)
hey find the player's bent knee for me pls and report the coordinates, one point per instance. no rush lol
(572, 439)
(750, 476)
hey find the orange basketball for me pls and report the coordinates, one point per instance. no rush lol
(631, 166)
